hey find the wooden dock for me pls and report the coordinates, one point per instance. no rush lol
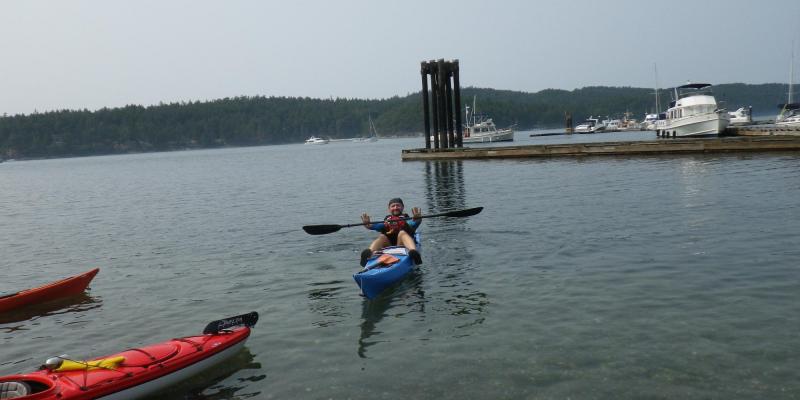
(762, 130)
(760, 143)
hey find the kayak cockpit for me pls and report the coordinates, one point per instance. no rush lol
(26, 387)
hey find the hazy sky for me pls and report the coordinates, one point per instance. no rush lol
(91, 54)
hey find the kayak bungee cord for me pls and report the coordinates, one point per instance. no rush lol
(54, 363)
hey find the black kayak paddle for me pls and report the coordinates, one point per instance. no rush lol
(326, 229)
(249, 320)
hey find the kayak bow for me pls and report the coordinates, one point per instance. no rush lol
(51, 291)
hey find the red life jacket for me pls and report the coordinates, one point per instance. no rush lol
(392, 225)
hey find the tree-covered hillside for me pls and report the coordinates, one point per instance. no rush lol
(245, 121)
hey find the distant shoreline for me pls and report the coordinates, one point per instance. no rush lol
(259, 121)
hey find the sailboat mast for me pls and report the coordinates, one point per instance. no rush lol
(473, 110)
(655, 67)
(791, 76)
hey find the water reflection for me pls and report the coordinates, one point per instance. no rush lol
(325, 300)
(470, 305)
(73, 304)
(444, 184)
(694, 175)
(408, 294)
(211, 385)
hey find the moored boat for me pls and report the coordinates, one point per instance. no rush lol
(611, 125)
(385, 268)
(316, 140)
(591, 125)
(789, 116)
(790, 111)
(649, 123)
(133, 373)
(480, 129)
(63, 288)
(373, 134)
(629, 124)
(485, 131)
(694, 112)
(742, 116)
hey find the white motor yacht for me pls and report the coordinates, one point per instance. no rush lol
(591, 125)
(742, 116)
(612, 125)
(316, 140)
(694, 112)
(649, 123)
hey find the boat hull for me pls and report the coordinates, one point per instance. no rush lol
(698, 125)
(792, 122)
(375, 278)
(64, 288)
(504, 135)
(316, 140)
(145, 371)
(581, 129)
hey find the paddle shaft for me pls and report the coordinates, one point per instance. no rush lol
(324, 229)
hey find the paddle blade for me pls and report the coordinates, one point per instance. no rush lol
(463, 213)
(248, 320)
(321, 229)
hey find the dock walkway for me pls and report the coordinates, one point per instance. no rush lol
(661, 146)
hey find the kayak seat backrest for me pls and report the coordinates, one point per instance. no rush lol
(14, 389)
(395, 250)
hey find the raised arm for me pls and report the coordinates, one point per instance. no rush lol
(416, 217)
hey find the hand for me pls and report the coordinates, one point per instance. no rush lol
(365, 220)
(416, 214)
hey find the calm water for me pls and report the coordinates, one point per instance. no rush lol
(616, 278)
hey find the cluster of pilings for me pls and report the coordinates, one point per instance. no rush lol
(442, 105)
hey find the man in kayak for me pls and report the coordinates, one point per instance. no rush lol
(396, 229)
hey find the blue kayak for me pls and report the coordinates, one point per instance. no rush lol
(386, 267)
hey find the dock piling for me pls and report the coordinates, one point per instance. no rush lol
(568, 122)
(442, 112)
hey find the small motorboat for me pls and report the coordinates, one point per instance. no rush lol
(52, 291)
(133, 373)
(742, 116)
(591, 125)
(316, 140)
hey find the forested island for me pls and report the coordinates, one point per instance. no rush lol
(249, 121)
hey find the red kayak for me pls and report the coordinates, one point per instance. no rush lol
(63, 288)
(134, 373)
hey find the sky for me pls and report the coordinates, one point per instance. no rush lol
(87, 54)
